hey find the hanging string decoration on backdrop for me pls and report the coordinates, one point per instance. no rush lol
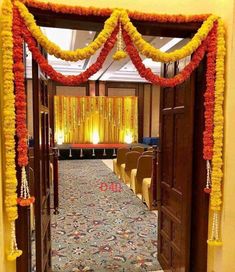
(208, 41)
(74, 125)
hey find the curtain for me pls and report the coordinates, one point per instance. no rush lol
(96, 119)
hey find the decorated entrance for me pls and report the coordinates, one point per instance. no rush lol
(208, 41)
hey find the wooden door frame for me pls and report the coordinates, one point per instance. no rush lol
(199, 222)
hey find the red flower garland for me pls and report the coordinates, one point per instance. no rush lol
(210, 96)
(20, 104)
(21, 129)
(155, 79)
(68, 80)
(105, 12)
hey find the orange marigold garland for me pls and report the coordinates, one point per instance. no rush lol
(20, 104)
(155, 79)
(136, 15)
(209, 97)
(68, 80)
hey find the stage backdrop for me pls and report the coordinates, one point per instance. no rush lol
(96, 119)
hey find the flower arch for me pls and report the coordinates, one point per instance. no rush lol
(19, 26)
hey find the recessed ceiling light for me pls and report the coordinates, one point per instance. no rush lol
(90, 32)
(161, 38)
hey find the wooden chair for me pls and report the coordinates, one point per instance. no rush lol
(144, 170)
(121, 157)
(131, 163)
(138, 149)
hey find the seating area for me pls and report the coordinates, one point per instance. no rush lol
(134, 166)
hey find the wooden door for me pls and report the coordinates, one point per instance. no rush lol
(175, 171)
(41, 170)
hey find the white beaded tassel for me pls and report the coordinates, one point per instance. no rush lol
(215, 239)
(14, 251)
(24, 189)
(207, 189)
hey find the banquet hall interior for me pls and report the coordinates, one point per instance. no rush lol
(104, 139)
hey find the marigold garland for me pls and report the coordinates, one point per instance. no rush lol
(53, 49)
(136, 15)
(209, 97)
(155, 79)
(217, 161)
(68, 80)
(9, 126)
(155, 54)
(21, 107)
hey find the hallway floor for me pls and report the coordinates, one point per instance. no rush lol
(102, 225)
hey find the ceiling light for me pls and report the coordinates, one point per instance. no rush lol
(170, 44)
(90, 32)
(161, 38)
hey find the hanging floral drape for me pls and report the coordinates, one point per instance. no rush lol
(208, 41)
(95, 118)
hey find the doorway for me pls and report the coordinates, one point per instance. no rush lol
(193, 254)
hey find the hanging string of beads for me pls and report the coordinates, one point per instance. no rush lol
(120, 53)
(215, 239)
(14, 251)
(25, 199)
(207, 189)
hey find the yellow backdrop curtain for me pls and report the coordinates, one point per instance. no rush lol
(96, 119)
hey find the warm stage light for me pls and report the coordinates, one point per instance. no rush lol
(95, 138)
(60, 138)
(128, 138)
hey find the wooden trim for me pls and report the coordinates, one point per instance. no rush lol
(200, 200)
(51, 94)
(150, 110)
(37, 164)
(97, 88)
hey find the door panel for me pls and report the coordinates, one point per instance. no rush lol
(175, 171)
(41, 170)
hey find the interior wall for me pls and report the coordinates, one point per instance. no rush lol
(71, 91)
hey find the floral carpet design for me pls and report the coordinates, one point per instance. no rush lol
(102, 225)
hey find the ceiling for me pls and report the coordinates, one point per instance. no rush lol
(112, 70)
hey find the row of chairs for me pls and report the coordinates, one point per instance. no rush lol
(134, 167)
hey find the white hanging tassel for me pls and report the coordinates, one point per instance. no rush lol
(25, 199)
(120, 53)
(214, 239)
(207, 189)
(14, 251)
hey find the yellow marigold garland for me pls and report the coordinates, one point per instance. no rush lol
(155, 54)
(53, 49)
(217, 161)
(9, 126)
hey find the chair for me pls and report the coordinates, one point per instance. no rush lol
(138, 148)
(146, 192)
(148, 152)
(121, 157)
(144, 170)
(131, 163)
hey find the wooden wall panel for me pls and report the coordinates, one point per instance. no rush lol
(71, 90)
(147, 101)
(155, 111)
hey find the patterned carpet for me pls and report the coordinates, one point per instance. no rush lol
(102, 225)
